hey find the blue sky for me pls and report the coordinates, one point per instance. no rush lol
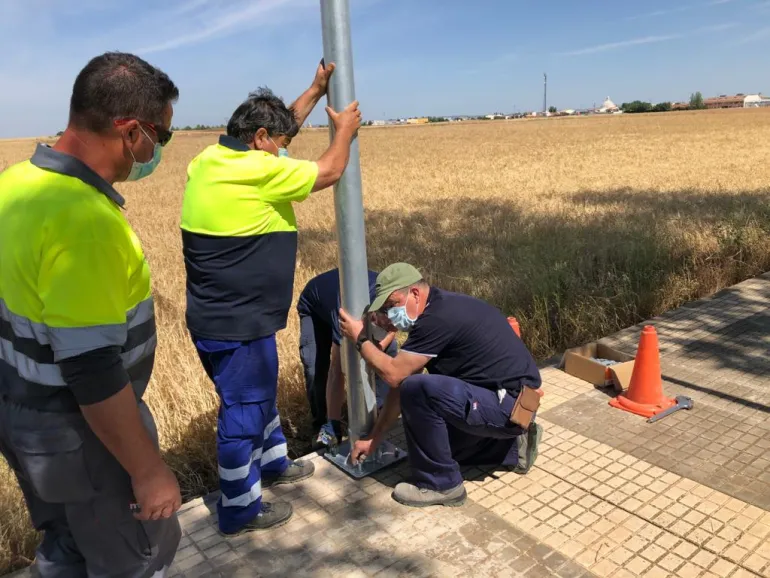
(412, 57)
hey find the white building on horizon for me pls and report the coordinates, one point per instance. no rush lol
(609, 107)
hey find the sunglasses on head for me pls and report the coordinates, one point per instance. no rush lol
(164, 135)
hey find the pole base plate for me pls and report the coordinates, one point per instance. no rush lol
(386, 455)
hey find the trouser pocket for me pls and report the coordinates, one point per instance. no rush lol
(54, 463)
(244, 420)
(116, 544)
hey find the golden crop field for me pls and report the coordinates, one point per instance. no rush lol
(577, 226)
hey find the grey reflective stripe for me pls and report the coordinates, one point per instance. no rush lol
(73, 341)
(232, 474)
(271, 427)
(141, 313)
(274, 453)
(138, 353)
(42, 373)
(68, 342)
(244, 499)
(23, 327)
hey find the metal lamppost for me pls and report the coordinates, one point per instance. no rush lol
(351, 242)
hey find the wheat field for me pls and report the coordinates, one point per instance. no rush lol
(577, 226)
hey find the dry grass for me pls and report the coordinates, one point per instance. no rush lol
(578, 227)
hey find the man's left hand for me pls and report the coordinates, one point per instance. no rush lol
(322, 74)
(350, 326)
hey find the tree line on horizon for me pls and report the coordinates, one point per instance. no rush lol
(696, 103)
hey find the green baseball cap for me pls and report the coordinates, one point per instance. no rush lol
(392, 278)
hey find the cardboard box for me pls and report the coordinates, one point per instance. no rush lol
(581, 363)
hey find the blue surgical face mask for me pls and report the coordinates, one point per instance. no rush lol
(282, 152)
(400, 318)
(141, 170)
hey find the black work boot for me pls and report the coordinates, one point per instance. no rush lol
(271, 515)
(298, 470)
(528, 444)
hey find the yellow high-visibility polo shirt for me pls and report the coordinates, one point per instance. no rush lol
(239, 237)
(73, 280)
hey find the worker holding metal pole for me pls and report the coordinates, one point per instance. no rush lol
(239, 239)
(349, 211)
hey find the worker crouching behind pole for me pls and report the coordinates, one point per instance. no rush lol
(78, 333)
(239, 237)
(319, 350)
(462, 411)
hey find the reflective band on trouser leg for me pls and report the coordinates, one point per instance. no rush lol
(238, 473)
(274, 460)
(239, 477)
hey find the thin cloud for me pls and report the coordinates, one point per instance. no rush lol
(678, 9)
(221, 21)
(649, 40)
(665, 12)
(755, 36)
(717, 28)
(622, 44)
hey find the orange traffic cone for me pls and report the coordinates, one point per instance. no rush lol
(513, 322)
(645, 393)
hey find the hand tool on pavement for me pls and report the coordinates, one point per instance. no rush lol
(682, 402)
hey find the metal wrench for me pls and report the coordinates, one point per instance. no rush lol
(682, 402)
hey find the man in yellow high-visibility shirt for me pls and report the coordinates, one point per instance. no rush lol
(77, 333)
(239, 236)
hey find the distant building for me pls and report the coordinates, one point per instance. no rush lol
(421, 120)
(609, 107)
(680, 105)
(378, 123)
(725, 101)
(737, 101)
(755, 101)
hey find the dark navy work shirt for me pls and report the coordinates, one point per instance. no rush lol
(321, 299)
(471, 340)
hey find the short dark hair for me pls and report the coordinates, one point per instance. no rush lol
(118, 85)
(265, 110)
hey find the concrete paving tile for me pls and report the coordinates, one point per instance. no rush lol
(609, 491)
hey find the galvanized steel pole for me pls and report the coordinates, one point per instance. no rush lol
(349, 211)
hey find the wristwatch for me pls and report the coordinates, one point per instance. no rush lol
(362, 338)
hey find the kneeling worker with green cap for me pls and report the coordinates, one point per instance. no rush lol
(468, 409)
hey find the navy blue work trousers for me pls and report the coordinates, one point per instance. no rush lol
(449, 423)
(315, 346)
(250, 441)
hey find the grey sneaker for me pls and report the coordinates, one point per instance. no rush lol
(271, 515)
(528, 445)
(298, 470)
(411, 495)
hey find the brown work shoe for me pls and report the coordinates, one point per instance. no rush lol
(297, 471)
(411, 495)
(271, 515)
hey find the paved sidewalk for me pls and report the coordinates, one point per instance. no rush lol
(610, 496)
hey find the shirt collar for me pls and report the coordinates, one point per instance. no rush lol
(233, 143)
(433, 293)
(49, 159)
